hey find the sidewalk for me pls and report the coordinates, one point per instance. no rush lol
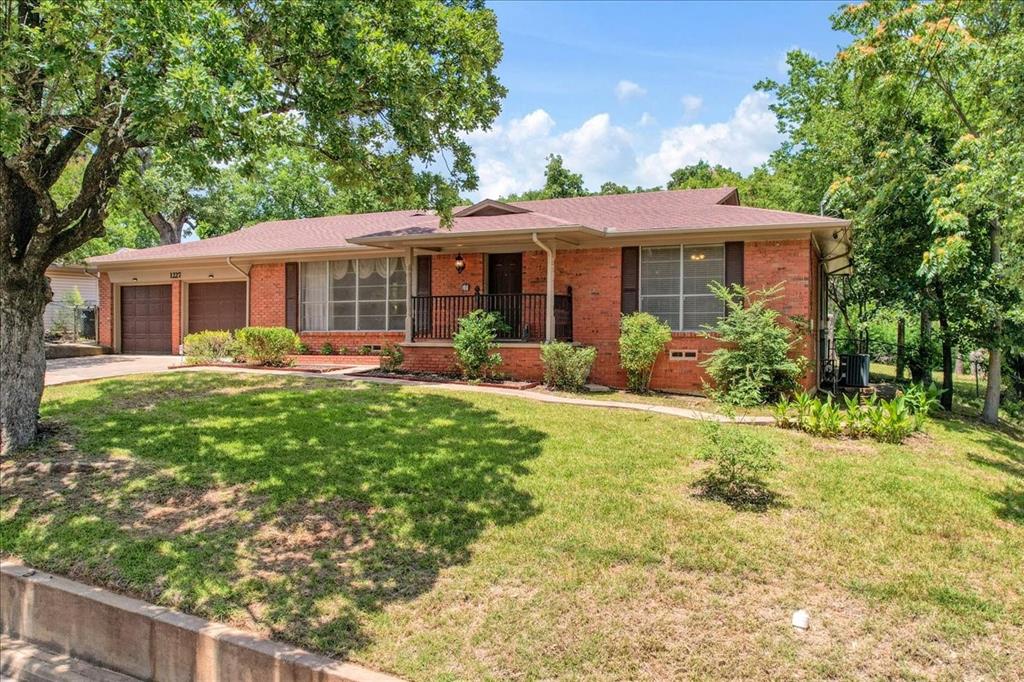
(351, 374)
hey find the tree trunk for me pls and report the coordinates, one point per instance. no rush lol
(921, 367)
(169, 230)
(946, 399)
(23, 296)
(901, 353)
(990, 410)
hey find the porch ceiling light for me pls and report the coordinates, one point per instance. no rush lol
(460, 263)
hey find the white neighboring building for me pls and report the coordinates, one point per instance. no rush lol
(65, 278)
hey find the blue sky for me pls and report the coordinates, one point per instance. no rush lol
(628, 91)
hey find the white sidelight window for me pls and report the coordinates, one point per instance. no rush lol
(674, 284)
(353, 295)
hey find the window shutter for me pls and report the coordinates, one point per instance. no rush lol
(630, 279)
(291, 296)
(733, 263)
(423, 275)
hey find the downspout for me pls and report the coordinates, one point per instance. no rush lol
(245, 274)
(549, 300)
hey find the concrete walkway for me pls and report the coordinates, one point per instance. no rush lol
(66, 370)
(351, 374)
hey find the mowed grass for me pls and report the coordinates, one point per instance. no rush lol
(448, 535)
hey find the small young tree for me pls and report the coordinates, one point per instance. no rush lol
(754, 365)
(474, 342)
(642, 338)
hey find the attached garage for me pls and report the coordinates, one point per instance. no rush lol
(146, 319)
(216, 305)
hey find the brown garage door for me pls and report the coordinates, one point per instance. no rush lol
(146, 319)
(216, 305)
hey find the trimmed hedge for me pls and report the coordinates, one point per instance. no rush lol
(266, 345)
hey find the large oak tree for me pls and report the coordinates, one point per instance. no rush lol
(382, 90)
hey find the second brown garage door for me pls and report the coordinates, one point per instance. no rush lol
(216, 305)
(146, 319)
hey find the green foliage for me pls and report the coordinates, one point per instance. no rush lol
(326, 348)
(567, 367)
(642, 337)
(559, 182)
(474, 343)
(921, 400)
(742, 458)
(301, 348)
(753, 365)
(365, 349)
(889, 421)
(266, 345)
(391, 358)
(702, 175)
(207, 346)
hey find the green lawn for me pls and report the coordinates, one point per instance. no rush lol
(444, 535)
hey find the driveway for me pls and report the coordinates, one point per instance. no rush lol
(64, 370)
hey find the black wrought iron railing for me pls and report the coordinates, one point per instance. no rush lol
(436, 318)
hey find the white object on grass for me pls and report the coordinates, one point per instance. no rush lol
(801, 620)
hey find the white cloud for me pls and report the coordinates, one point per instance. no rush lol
(628, 89)
(692, 104)
(744, 141)
(510, 157)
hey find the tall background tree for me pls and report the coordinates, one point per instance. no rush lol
(378, 89)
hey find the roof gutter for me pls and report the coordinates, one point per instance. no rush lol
(243, 273)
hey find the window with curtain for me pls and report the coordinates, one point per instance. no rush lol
(353, 295)
(674, 284)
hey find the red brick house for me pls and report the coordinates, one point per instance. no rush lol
(555, 269)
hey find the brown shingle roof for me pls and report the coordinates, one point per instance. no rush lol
(608, 214)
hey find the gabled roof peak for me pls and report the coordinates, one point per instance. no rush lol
(488, 207)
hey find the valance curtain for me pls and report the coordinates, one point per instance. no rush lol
(348, 295)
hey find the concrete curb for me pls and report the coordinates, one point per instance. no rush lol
(150, 642)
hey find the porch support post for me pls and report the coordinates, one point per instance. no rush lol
(410, 274)
(549, 298)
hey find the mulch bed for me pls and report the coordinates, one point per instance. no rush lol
(447, 379)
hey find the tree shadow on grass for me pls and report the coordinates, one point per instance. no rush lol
(1000, 448)
(298, 510)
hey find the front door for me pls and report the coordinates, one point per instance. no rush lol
(504, 289)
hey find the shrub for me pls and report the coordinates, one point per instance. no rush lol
(857, 423)
(326, 348)
(266, 345)
(642, 338)
(391, 358)
(208, 346)
(891, 420)
(301, 348)
(921, 400)
(567, 367)
(754, 366)
(343, 350)
(365, 349)
(741, 458)
(474, 341)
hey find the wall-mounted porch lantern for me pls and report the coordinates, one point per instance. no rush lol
(460, 263)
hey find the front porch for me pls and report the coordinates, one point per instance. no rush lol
(525, 316)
